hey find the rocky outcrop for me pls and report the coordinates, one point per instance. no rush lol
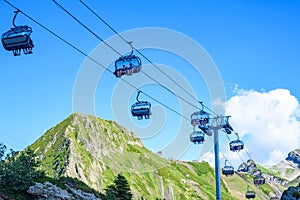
(251, 168)
(169, 193)
(80, 195)
(292, 193)
(248, 166)
(275, 180)
(48, 191)
(294, 156)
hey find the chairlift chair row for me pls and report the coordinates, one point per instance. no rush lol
(202, 120)
(198, 119)
(18, 38)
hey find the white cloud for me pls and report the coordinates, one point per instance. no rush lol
(275, 155)
(210, 158)
(268, 122)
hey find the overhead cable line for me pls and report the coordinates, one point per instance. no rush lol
(225, 157)
(248, 154)
(98, 63)
(144, 56)
(82, 24)
(116, 51)
(92, 59)
(240, 157)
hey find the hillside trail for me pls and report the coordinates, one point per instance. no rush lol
(276, 190)
(192, 183)
(262, 195)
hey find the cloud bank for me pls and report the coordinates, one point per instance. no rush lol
(268, 123)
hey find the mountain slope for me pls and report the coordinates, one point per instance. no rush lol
(289, 168)
(239, 183)
(96, 150)
(81, 146)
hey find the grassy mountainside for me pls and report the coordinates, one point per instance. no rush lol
(288, 168)
(239, 183)
(94, 151)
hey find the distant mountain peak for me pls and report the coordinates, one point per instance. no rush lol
(289, 168)
(294, 156)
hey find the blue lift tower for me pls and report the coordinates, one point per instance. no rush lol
(211, 125)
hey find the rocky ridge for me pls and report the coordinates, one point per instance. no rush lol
(251, 168)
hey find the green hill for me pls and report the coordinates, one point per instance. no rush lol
(94, 151)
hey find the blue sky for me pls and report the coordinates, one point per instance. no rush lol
(254, 44)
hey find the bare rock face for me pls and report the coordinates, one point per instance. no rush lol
(275, 180)
(80, 195)
(48, 191)
(294, 156)
(292, 193)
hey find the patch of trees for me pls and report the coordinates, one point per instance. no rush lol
(20, 170)
(119, 190)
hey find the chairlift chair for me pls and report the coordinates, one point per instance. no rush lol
(127, 65)
(197, 137)
(242, 167)
(200, 118)
(18, 38)
(236, 145)
(250, 194)
(257, 173)
(259, 180)
(141, 109)
(227, 169)
(227, 127)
